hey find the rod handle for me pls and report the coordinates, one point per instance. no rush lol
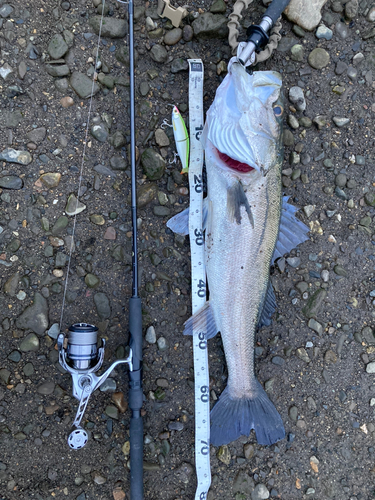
(136, 458)
(135, 328)
(276, 8)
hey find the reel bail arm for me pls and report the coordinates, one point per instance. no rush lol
(81, 359)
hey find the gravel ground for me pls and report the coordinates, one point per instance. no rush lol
(316, 360)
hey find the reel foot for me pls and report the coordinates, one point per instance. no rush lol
(77, 439)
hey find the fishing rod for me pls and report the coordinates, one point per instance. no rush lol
(79, 354)
(258, 34)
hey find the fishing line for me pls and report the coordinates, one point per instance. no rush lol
(94, 76)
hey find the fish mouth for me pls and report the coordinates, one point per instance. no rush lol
(234, 164)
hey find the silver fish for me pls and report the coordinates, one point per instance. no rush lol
(248, 226)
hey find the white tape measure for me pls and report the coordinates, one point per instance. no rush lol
(198, 280)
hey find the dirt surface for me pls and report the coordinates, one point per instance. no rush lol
(316, 358)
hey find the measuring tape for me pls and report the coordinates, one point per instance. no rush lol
(198, 280)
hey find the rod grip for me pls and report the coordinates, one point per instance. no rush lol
(135, 328)
(136, 458)
(276, 8)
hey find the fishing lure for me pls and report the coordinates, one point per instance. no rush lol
(181, 138)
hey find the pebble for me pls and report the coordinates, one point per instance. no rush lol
(119, 399)
(82, 85)
(162, 344)
(13, 156)
(340, 121)
(173, 36)
(30, 343)
(109, 385)
(260, 492)
(370, 367)
(278, 360)
(324, 32)
(153, 164)
(74, 206)
(35, 316)
(150, 335)
(111, 28)
(66, 102)
(318, 58)
(46, 388)
(297, 97)
(223, 454)
(342, 30)
(91, 280)
(57, 47)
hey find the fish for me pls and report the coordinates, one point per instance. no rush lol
(248, 225)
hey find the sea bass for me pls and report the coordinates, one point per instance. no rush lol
(248, 225)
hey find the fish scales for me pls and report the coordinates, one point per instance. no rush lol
(247, 226)
(238, 263)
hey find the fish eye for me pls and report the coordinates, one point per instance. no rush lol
(278, 110)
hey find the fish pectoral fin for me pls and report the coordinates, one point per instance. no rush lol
(202, 320)
(179, 224)
(269, 307)
(292, 231)
(236, 198)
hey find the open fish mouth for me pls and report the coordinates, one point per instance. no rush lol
(234, 164)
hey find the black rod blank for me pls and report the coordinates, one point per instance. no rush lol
(135, 306)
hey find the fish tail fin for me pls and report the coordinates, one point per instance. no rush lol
(235, 417)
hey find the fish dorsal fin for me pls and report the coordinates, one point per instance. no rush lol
(202, 320)
(269, 307)
(179, 224)
(292, 231)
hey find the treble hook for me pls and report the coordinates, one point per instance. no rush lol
(165, 124)
(171, 162)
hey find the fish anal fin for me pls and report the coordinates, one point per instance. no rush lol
(269, 307)
(202, 320)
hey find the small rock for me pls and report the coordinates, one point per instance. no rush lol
(173, 36)
(66, 102)
(318, 58)
(30, 343)
(46, 388)
(297, 98)
(82, 85)
(260, 492)
(57, 47)
(91, 280)
(119, 399)
(35, 316)
(223, 454)
(340, 122)
(150, 335)
(74, 206)
(12, 156)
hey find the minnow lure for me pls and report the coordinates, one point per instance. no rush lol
(181, 138)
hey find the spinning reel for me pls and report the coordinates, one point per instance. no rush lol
(82, 358)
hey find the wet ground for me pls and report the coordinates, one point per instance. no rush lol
(316, 359)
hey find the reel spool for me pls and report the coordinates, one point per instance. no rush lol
(82, 349)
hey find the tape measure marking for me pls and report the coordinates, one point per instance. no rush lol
(198, 281)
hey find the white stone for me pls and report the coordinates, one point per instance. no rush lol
(370, 368)
(305, 13)
(5, 71)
